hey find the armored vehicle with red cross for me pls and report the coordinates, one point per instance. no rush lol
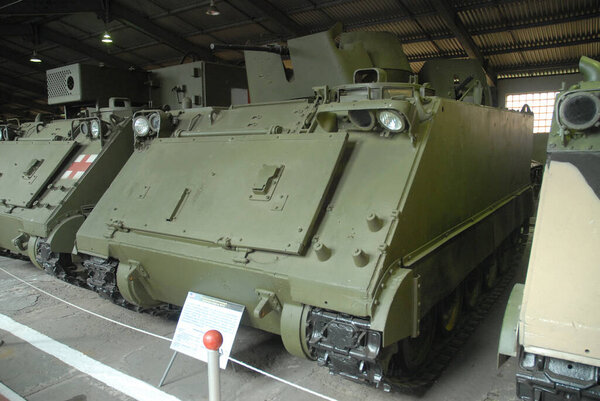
(52, 173)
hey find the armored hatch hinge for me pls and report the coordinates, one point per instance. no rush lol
(242, 256)
(224, 242)
(267, 302)
(321, 94)
(115, 226)
(37, 203)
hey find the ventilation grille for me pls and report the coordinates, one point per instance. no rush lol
(57, 83)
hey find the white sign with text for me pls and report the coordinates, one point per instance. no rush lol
(200, 314)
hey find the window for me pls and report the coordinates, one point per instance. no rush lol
(542, 105)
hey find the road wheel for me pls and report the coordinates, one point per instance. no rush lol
(490, 272)
(449, 311)
(472, 288)
(413, 353)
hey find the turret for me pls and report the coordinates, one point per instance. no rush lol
(326, 58)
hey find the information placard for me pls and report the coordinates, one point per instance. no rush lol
(200, 314)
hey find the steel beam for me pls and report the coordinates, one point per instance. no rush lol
(21, 84)
(550, 20)
(417, 38)
(536, 68)
(512, 49)
(449, 16)
(407, 11)
(540, 46)
(282, 20)
(16, 30)
(46, 7)
(134, 19)
(80, 47)
(7, 113)
(6, 99)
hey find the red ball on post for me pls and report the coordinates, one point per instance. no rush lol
(212, 340)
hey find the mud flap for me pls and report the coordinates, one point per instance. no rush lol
(398, 306)
(509, 341)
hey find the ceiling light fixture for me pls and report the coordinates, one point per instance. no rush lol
(212, 9)
(106, 38)
(35, 58)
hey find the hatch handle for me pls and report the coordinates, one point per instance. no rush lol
(264, 178)
(32, 167)
(182, 198)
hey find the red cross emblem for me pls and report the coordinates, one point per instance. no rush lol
(79, 166)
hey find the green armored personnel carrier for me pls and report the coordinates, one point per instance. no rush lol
(556, 337)
(342, 208)
(52, 173)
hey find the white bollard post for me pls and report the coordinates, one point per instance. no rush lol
(212, 341)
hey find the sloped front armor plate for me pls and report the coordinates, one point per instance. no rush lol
(26, 168)
(202, 189)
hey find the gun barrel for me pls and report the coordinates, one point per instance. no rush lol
(277, 49)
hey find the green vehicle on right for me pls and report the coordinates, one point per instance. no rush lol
(552, 322)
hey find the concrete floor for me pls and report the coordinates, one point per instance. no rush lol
(37, 376)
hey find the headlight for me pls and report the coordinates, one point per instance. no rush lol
(392, 120)
(579, 111)
(85, 130)
(95, 129)
(154, 121)
(141, 126)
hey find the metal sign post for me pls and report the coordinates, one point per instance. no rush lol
(212, 341)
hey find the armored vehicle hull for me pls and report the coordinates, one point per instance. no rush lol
(51, 177)
(53, 173)
(335, 232)
(556, 337)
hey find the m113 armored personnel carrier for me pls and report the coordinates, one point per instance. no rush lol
(552, 323)
(343, 207)
(52, 173)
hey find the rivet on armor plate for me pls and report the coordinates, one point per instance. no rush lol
(360, 258)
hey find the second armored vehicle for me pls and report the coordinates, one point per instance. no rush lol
(552, 323)
(52, 173)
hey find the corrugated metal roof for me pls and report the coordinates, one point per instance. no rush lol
(514, 36)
